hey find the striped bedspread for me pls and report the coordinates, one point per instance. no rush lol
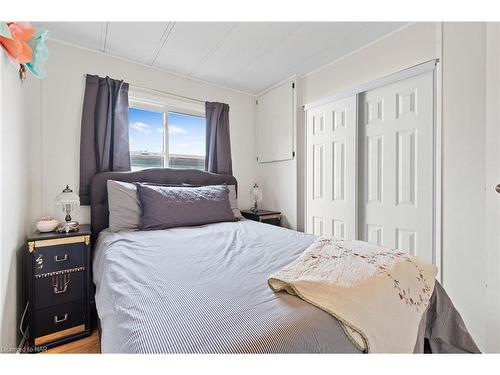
(204, 290)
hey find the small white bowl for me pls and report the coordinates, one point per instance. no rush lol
(44, 226)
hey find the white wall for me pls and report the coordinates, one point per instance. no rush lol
(61, 108)
(15, 102)
(492, 178)
(465, 256)
(279, 180)
(399, 50)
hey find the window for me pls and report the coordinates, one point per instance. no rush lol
(145, 138)
(186, 139)
(163, 134)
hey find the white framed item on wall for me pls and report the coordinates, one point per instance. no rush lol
(275, 111)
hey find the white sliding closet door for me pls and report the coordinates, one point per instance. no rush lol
(331, 169)
(396, 165)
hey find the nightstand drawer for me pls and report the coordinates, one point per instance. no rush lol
(59, 257)
(58, 289)
(59, 318)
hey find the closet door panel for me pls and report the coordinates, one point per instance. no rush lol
(331, 169)
(396, 165)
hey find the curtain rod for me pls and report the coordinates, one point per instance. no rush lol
(160, 92)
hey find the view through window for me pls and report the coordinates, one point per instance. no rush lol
(186, 140)
(186, 136)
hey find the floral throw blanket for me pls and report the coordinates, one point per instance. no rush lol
(378, 294)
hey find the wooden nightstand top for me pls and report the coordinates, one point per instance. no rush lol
(263, 216)
(37, 236)
(260, 214)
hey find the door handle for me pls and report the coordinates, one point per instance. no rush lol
(60, 318)
(59, 291)
(497, 188)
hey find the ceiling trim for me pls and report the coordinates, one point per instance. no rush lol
(104, 36)
(175, 74)
(163, 40)
(291, 78)
(357, 50)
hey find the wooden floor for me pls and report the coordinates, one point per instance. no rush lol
(87, 345)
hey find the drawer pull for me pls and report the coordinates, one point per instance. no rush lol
(60, 283)
(60, 318)
(57, 258)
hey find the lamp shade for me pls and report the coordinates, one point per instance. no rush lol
(67, 206)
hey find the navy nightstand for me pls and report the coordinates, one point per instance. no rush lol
(264, 216)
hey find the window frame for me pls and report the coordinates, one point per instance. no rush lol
(157, 102)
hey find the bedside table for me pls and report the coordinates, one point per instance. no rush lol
(264, 216)
(59, 287)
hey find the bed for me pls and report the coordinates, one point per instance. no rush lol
(204, 289)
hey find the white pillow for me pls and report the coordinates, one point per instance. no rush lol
(124, 206)
(233, 201)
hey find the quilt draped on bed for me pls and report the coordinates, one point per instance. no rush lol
(379, 295)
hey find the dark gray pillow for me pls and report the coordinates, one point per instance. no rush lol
(124, 205)
(233, 199)
(168, 207)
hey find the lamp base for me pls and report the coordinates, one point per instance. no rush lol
(255, 207)
(68, 226)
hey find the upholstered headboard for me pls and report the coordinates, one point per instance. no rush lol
(99, 192)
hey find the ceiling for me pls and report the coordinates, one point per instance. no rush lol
(247, 56)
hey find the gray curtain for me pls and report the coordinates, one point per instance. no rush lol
(218, 146)
(104, 142)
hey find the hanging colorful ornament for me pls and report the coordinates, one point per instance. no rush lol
(25, 45)
(40, 54)
(17, 46)
(5, 30)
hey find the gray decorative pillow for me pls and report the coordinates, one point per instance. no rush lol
(233, 199)
(124, 206)
(168, 207)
